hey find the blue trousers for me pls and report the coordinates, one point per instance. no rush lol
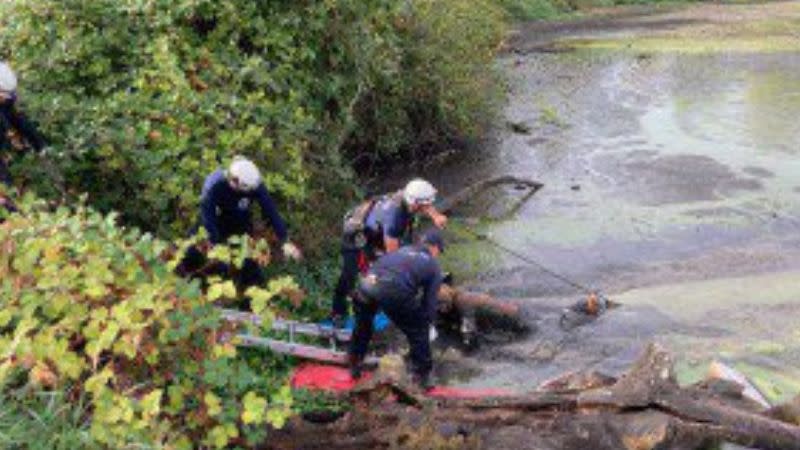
(5, 175)
(405, 313)
(354, 261)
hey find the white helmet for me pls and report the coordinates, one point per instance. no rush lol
(8, 80)
(419, 192)
(243, 174)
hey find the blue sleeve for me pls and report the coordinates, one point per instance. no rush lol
(269, 210)
(394, 223)
(432, 284)
(208, 206)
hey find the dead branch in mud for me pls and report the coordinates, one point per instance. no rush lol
(470, 191)
(644, 409)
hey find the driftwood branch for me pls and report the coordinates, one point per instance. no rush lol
(452, 297)
(644, 409)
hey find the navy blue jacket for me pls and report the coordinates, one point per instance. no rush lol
(11, 119)
(391, 218)
(409, 270)
(220, 202)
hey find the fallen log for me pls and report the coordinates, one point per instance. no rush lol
(450, 297)
(644, 409)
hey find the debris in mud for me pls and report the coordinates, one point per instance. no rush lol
(576, 381)
(644, 409)
(519, 127)
(585, 311)
(788, 412)
(534, 142)
(548, 47)
(525, 186)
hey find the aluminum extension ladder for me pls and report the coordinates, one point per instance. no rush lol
(294, 328)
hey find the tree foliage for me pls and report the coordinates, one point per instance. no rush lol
(142, 99)
(89, 307)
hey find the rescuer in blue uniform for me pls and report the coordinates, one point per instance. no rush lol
(377, 226)
(16, 132)
(13, 123)
(225, 203)
(405, 285)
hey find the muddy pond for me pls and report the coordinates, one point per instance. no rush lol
(669, 150)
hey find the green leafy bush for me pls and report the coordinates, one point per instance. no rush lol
(141, 100)
(438, 85)
(90, 308)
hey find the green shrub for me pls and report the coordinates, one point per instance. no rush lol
(141, 100)
(440, 85)
(89, 307)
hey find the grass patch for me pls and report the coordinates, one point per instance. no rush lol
(43, 420)
(690, 45)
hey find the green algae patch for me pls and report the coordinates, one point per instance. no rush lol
(776, 386)
(689, 45)
(467, 256)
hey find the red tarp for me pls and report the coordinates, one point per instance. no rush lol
(322, 377)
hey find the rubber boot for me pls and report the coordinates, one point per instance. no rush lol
(423, 381)
(356, 366)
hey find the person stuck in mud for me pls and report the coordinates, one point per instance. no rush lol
(405, 285)
(377, 226)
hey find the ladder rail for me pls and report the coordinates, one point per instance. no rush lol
(298, 350)
(291, 326)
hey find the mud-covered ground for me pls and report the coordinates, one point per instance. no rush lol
(669, 146)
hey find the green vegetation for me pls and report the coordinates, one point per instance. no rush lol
(91, 308)
(690, 45)
(536, 9)
(44, 420)
(550, 9)
(141, 100)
